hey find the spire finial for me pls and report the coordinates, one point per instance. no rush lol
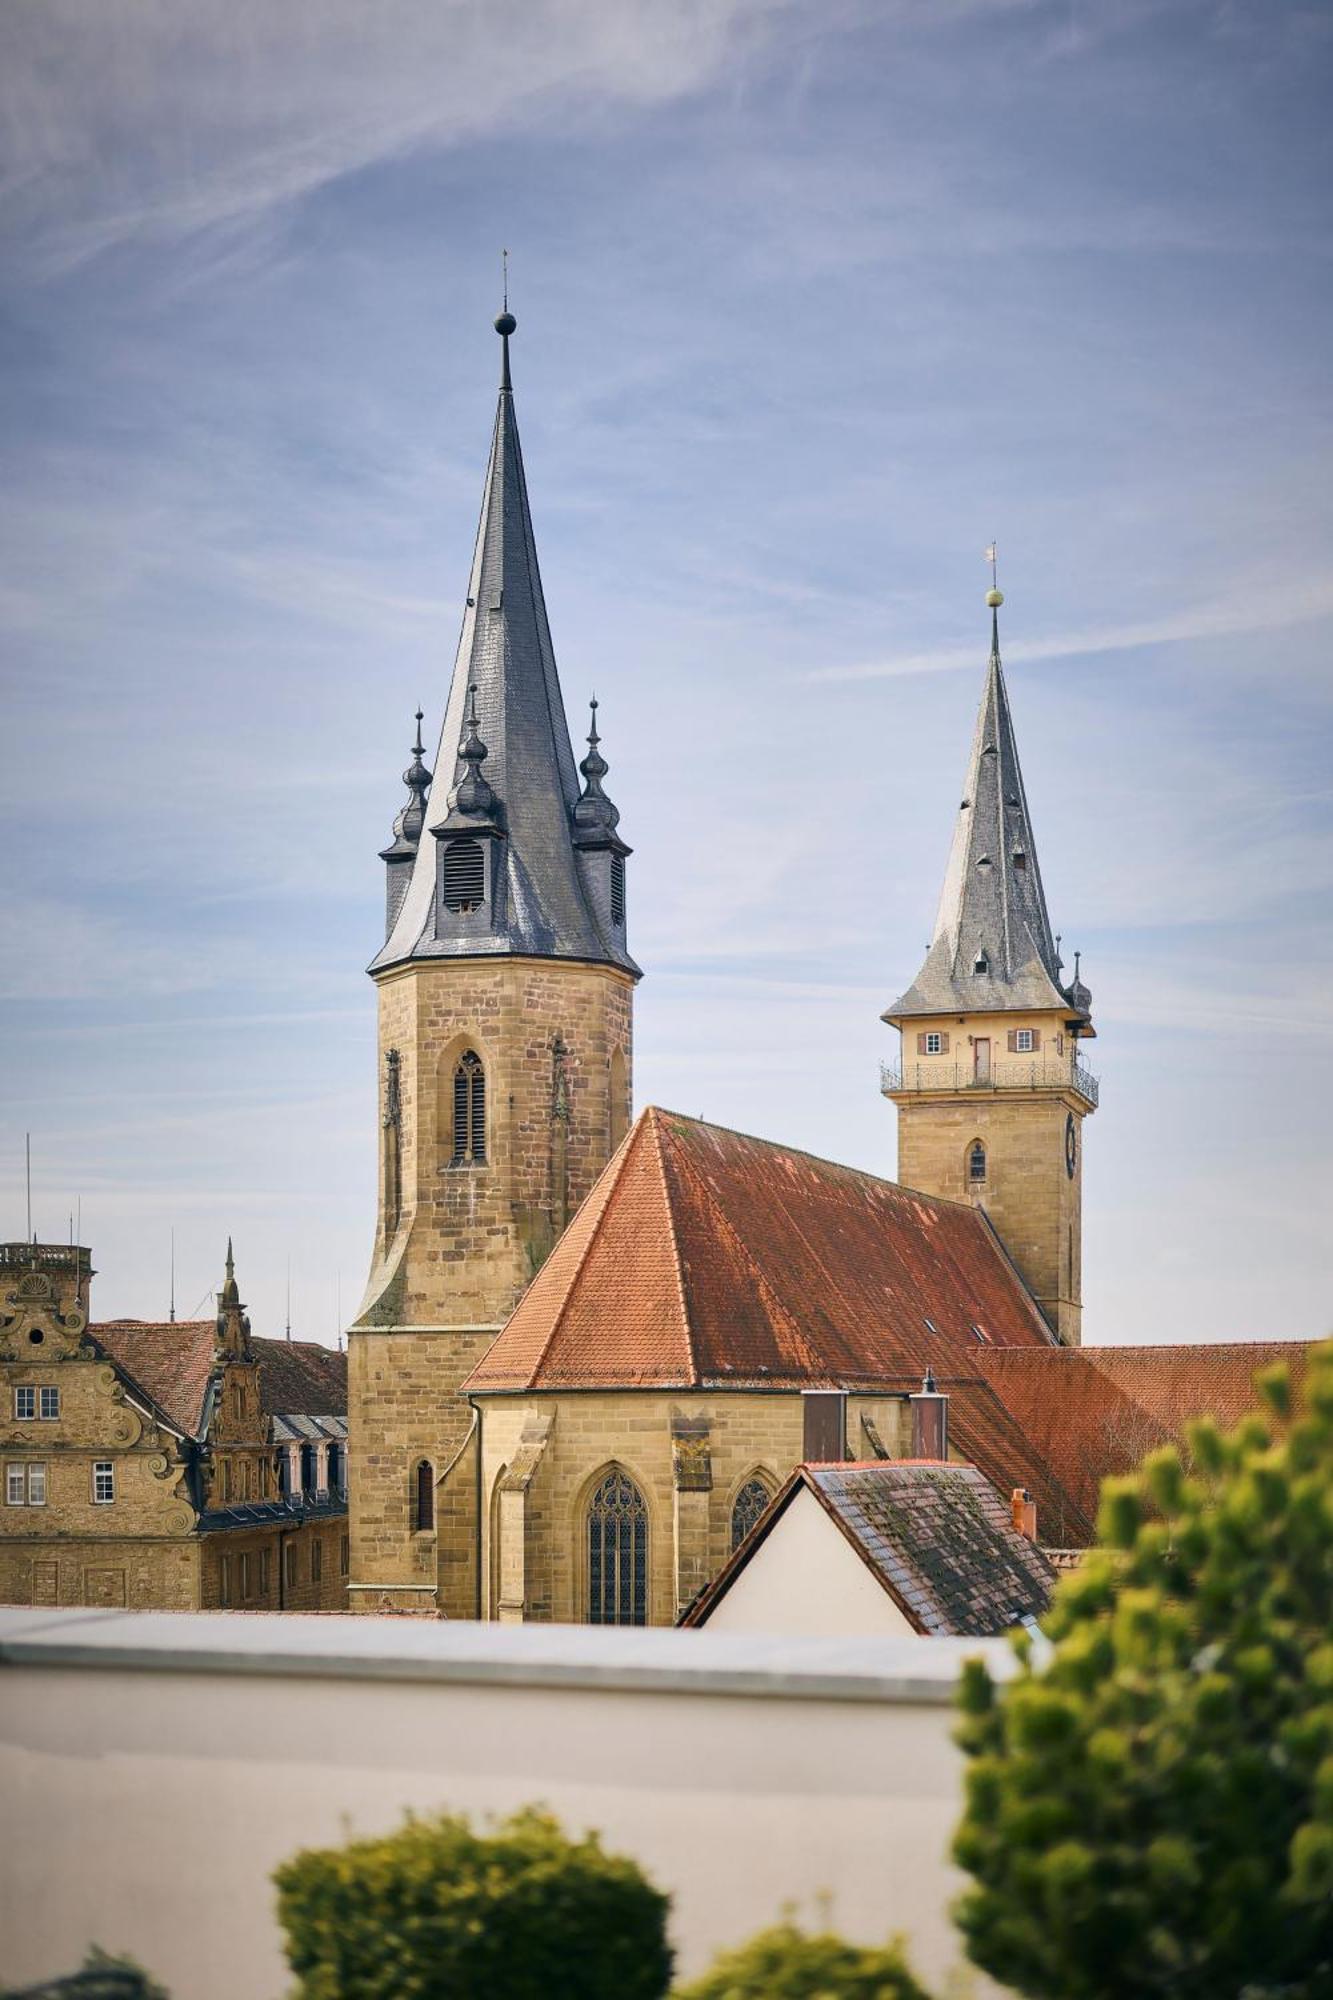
(505, 322)
(407, 826)
(995, 598)
(595, 817)
(473, 794)
(231, 1261)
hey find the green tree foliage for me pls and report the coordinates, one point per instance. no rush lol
(437, 1911)
(785, 1963)
(1150, 1810)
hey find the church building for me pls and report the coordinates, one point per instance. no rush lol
(590, 1353)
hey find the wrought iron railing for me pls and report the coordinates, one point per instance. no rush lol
(1005, 1073)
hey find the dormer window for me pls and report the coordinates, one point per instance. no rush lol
(981, 964)
(463, 876)
(1020, 860)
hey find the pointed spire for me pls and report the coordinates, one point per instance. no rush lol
(993, 946)
(407, 826)
(505, 703)
(595, 818)
(233, 1328)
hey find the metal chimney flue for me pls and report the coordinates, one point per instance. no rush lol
(930, 1421)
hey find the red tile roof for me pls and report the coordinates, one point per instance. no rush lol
(937, 1537)
(706, 1258)
(170, 1362)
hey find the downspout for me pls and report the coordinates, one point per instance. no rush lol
(476, 1418)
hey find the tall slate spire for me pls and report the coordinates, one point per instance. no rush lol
(537, 903)
(993, 949)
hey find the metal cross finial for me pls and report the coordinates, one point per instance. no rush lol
(504, 271)
(990, 558)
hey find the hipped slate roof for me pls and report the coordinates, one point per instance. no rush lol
(935, 1536)
(170, 1363)
(505, 649)
(992, 904)
(705, 1258)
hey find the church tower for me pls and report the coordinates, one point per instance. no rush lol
(990, 1088)
(505, 992)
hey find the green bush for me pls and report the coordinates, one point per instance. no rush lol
(1150, 1810)
(437, 1911)
(785, 1963)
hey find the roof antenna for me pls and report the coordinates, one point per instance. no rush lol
(289, 1288)
(172, 1314)
(338, 1306)
(27, 1170)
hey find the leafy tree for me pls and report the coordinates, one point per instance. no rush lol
(785, 1963)
(1150, 1810)
(437, 1911)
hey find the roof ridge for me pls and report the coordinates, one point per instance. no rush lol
(619, 1160)
(652, 1121)
(775, 1302)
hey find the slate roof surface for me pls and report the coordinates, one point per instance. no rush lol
(992, 902)
(171, 1361)
(505, 649)
(703, 1257)
(936, 1537)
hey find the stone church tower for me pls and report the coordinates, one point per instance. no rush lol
(505, 1013)
(990, 1091)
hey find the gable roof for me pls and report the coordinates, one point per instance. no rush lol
(935, 1536)
(704, 1258)
(170, 1363)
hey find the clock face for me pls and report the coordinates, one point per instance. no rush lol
(1071, 1145)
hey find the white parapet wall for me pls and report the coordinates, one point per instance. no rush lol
(156, 1767)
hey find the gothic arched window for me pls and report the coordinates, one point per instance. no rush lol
(617, 1553)
(423, 1497)
(469, 1110)
(463, 876)
(976, 1161)
(750, 1503)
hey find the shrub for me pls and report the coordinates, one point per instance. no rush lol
(437, 1911)
(1150, 1810)
(785, 1963)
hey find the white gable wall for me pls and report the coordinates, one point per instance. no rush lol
(805, 1577)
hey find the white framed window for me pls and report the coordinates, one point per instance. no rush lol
(1023, 1041)
(36, 1485)
(25, 1404)
(49, 1403)
(15, 1486)
(933, 1044)
(104, 1482)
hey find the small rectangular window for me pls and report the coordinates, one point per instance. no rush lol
(25, 1405)
(263, 1573)
(1024, 1041)
(316, 1561)
(933, 1045)
(104, 1482)
(344, 1556)
(15, 1492)
(245, 1575)
(36, 1485)
(224, 1579)
(50, 1403)
(291, 1562)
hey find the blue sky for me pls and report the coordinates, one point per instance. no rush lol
(814, 300)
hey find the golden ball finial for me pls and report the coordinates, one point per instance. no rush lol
(995, 598)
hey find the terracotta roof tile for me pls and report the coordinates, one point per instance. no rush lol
(703, 1257)
(300, 1378)
(170, 1362)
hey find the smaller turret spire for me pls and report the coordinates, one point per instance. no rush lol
(233, 1327)
(473, 796)
(407, 826)
(594, 816)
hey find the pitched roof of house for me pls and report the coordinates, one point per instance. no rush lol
(704, 1258)
(935, 1536)
(170, 1363)
(1088, 1412)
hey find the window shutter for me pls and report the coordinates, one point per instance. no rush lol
(1012, 1043)
(944, 1045)
(921, 1045)
(1036, 1040)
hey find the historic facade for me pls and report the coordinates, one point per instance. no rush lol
(505, 990)
(178, 1466)
(991, 1089)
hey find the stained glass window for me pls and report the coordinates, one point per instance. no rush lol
(617, 1553)
(751, 1501)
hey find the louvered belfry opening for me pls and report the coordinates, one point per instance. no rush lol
(469, 1110)
(617, 888)
(617, 1553)
(463, 876)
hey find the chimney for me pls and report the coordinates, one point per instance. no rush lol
(824, 1432)
(1023, 1513)
(930, 1421)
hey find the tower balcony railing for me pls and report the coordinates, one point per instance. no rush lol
(1006, 1072)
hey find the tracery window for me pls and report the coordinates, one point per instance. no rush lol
(469, 1111)
(750, 1503)
(976, 1161)
(617, 1553)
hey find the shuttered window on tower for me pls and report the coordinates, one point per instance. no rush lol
(469, 1110)
(617, 888)
(463, 876)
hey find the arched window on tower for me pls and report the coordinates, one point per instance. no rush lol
(617, 1553)
(463, 876)
(976, 1162)
(469, 1110)
(423, 1498)
(750, 1503)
